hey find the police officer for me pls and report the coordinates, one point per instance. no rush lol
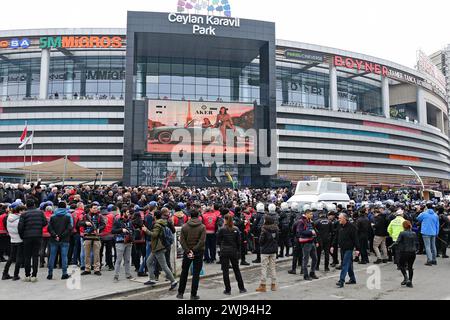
(285, 217)
(297, 254)
(324, 230)
(334, 225)
(256, 229)
(273, 213)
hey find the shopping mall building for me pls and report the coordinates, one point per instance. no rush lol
(110, 99)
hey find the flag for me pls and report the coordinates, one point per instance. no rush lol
(24, 133)
(27, 141)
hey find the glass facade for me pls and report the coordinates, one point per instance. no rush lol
(70, 77)
(159, 172)
(197, 79)
(304, 88)
(359, 97)
(406, 111)
(93, 77)
(19, 77)
(308, 86)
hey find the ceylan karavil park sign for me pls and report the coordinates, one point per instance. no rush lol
(204, 25)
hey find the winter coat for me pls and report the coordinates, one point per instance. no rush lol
(305, 230)
(193, 236)
(156, 234)
(229, 242)
(31, 224)
(13, 228)
(381, 225)
(347, 237)
(363, 226)
(407, 242)
(60, 225)
(429, 223)
(117, 231)
(268, 240)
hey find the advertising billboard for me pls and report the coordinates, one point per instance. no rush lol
(204, 125)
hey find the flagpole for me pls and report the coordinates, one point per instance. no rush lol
(32, 150)
(22, 138)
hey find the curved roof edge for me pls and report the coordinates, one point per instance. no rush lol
(346, 53)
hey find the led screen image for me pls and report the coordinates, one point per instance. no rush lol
(209, 125)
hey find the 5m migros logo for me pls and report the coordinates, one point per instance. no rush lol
(80, 42)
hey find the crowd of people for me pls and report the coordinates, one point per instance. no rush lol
(107, 228)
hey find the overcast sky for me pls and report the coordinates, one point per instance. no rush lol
(390, 29)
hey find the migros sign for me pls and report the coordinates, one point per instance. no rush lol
(80, 42)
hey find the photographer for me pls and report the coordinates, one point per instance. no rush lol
(93, 225)
(123, 231)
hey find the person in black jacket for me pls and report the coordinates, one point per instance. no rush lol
(284, 222)
(239, 222)
(407, 246)
(30, 230)
(347, 240)
(334, 227)
(59, 227)
(268, 242)
(363, 226)
(297, 254)
(444, 228)
(324, 231)
(256, 227)
(380, 231)
(229, 242)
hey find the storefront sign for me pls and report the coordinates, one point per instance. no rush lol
(361, 65)
(15, 43)
(425, 65)
(204, 25)
(69, 76)
(80, 42)
(375, 68)
(304, 55)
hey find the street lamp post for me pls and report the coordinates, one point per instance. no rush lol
(420, 180)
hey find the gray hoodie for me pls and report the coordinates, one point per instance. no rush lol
(12, 225)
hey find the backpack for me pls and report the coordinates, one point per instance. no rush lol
(167, 237)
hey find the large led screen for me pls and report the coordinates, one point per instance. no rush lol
(219, 125)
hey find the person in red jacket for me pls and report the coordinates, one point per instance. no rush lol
(4, 237)
(107, 238)
(210, 220)
(43, 253)
(179, 217)
(77, 233)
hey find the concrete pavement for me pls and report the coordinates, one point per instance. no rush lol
(430, 283)
(88, 287)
